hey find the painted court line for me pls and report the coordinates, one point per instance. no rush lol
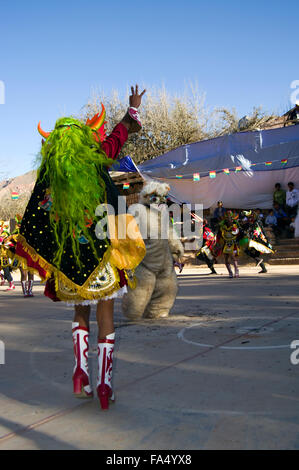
(67, 411)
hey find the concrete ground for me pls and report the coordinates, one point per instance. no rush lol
(217, 374)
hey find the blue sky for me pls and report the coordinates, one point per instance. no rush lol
(54, 53)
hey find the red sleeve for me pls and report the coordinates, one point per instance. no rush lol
(114, 142)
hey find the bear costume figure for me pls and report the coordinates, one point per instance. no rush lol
(156, 286)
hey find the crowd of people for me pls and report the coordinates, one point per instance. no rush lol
(282, 218)
(230, 233)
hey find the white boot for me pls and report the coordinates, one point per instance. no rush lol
(81, 383)
(105, 362)
(29, 289)
(24, 288)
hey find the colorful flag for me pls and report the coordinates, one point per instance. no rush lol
(212, 174)
(126, 185)
(238, 168)
(179, 176)
(196, 176)
(284, 161)
(226, 171)
(14, 196)
(268, 163)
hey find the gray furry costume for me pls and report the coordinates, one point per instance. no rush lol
(157, 287)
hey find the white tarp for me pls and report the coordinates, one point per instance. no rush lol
(250, 188)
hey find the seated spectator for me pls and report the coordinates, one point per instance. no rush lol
(271, 221)
(281, 216)
(292, 199)
(279, 196)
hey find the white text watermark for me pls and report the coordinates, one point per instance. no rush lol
(154, 222)
(2, 352)
(294, 358)
(2, 92)
(294, 98)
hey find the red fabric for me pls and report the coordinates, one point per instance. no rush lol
(114, 142)
(50, 290)
(30, 262)
(122, 279)
(209, 237)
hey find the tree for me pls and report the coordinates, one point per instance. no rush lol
(229, 122)
(168, 121)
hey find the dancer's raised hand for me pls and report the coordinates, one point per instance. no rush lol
(135, 99)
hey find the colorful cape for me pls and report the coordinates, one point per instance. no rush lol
(100, 274)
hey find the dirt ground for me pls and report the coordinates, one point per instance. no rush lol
(219, 373)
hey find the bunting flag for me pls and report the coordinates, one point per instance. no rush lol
(126, 185)
(14, 195)
(228, 171)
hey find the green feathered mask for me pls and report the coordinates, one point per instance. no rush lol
(72, 162)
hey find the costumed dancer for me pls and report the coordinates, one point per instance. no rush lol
(229, 231)
(62, 236)
(27, 278)
(253, 240)
(5, 261)
(157, 286)
(206, 253)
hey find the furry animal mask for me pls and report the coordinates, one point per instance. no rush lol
(154, 193)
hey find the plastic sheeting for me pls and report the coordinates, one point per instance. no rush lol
(250, 188)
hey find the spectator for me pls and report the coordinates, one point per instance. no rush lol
(279, 196)
(218, 215)
(292, 198)
(281, 216)
(296, 223)
(271, 221)
(291, 228)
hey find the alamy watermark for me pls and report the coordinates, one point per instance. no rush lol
(2, 92)
(2, 352)
(154, 222)
(294, 98)
(294, 358)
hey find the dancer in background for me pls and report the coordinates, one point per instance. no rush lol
(63, 236)
(253, 240)
(229, 230)
(206, 252)
(27, 280)
(27, 277)
(5, 260)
